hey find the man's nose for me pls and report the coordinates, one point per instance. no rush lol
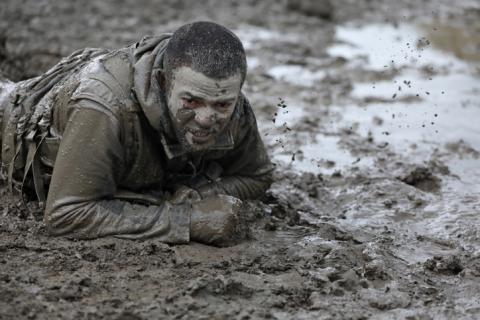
(205, 116)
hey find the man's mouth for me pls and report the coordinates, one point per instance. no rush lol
(199, 135)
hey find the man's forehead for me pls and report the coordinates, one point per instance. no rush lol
(189, 80)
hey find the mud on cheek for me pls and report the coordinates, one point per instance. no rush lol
(184, 115)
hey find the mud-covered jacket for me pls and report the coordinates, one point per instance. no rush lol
(102, 134)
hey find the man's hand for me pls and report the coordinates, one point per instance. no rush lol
(215, 220)
(185, 194)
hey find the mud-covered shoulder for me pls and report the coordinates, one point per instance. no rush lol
(106, 81)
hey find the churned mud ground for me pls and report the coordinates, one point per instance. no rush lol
(369, 109)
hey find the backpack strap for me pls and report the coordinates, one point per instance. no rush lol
(33, 162)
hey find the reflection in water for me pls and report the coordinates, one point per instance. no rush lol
(298, 75)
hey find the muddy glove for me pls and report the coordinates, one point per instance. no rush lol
(215, 220)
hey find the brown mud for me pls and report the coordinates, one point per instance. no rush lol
(353, 227)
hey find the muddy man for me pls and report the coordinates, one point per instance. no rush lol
(152, 140)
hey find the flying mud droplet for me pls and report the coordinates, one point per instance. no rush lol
(286, 128)
(407, 83)
(280, 142)
(281, 104)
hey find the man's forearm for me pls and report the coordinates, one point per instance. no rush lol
(241, 187)
(84, 201)
(93, 219)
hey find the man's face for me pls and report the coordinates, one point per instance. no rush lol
(201, 106)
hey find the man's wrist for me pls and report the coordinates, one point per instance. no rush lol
(210, 190)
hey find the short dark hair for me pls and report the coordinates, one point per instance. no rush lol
(206, 47)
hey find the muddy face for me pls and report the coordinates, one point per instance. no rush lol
(201, 106)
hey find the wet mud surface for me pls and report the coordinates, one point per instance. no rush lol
(374, 212)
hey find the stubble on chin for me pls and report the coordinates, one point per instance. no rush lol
(182, 139)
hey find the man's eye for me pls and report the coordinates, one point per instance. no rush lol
(191, 103)
(222, 105)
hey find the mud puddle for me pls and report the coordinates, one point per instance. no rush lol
(398, 148)
(427, 104)
(424, 112)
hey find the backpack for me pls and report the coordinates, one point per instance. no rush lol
(27, 117)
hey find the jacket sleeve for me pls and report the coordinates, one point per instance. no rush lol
(81, 202)
(247, 169)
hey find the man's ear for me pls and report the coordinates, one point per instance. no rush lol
(162, 81)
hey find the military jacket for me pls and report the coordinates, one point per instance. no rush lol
(102, 138)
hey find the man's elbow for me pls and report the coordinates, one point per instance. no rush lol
(55, 222)
(62, 222)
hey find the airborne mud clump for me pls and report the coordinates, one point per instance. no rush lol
(368, 112)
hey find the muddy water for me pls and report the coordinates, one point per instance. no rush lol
(438, 124)
(425, 111)
(411, 106)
